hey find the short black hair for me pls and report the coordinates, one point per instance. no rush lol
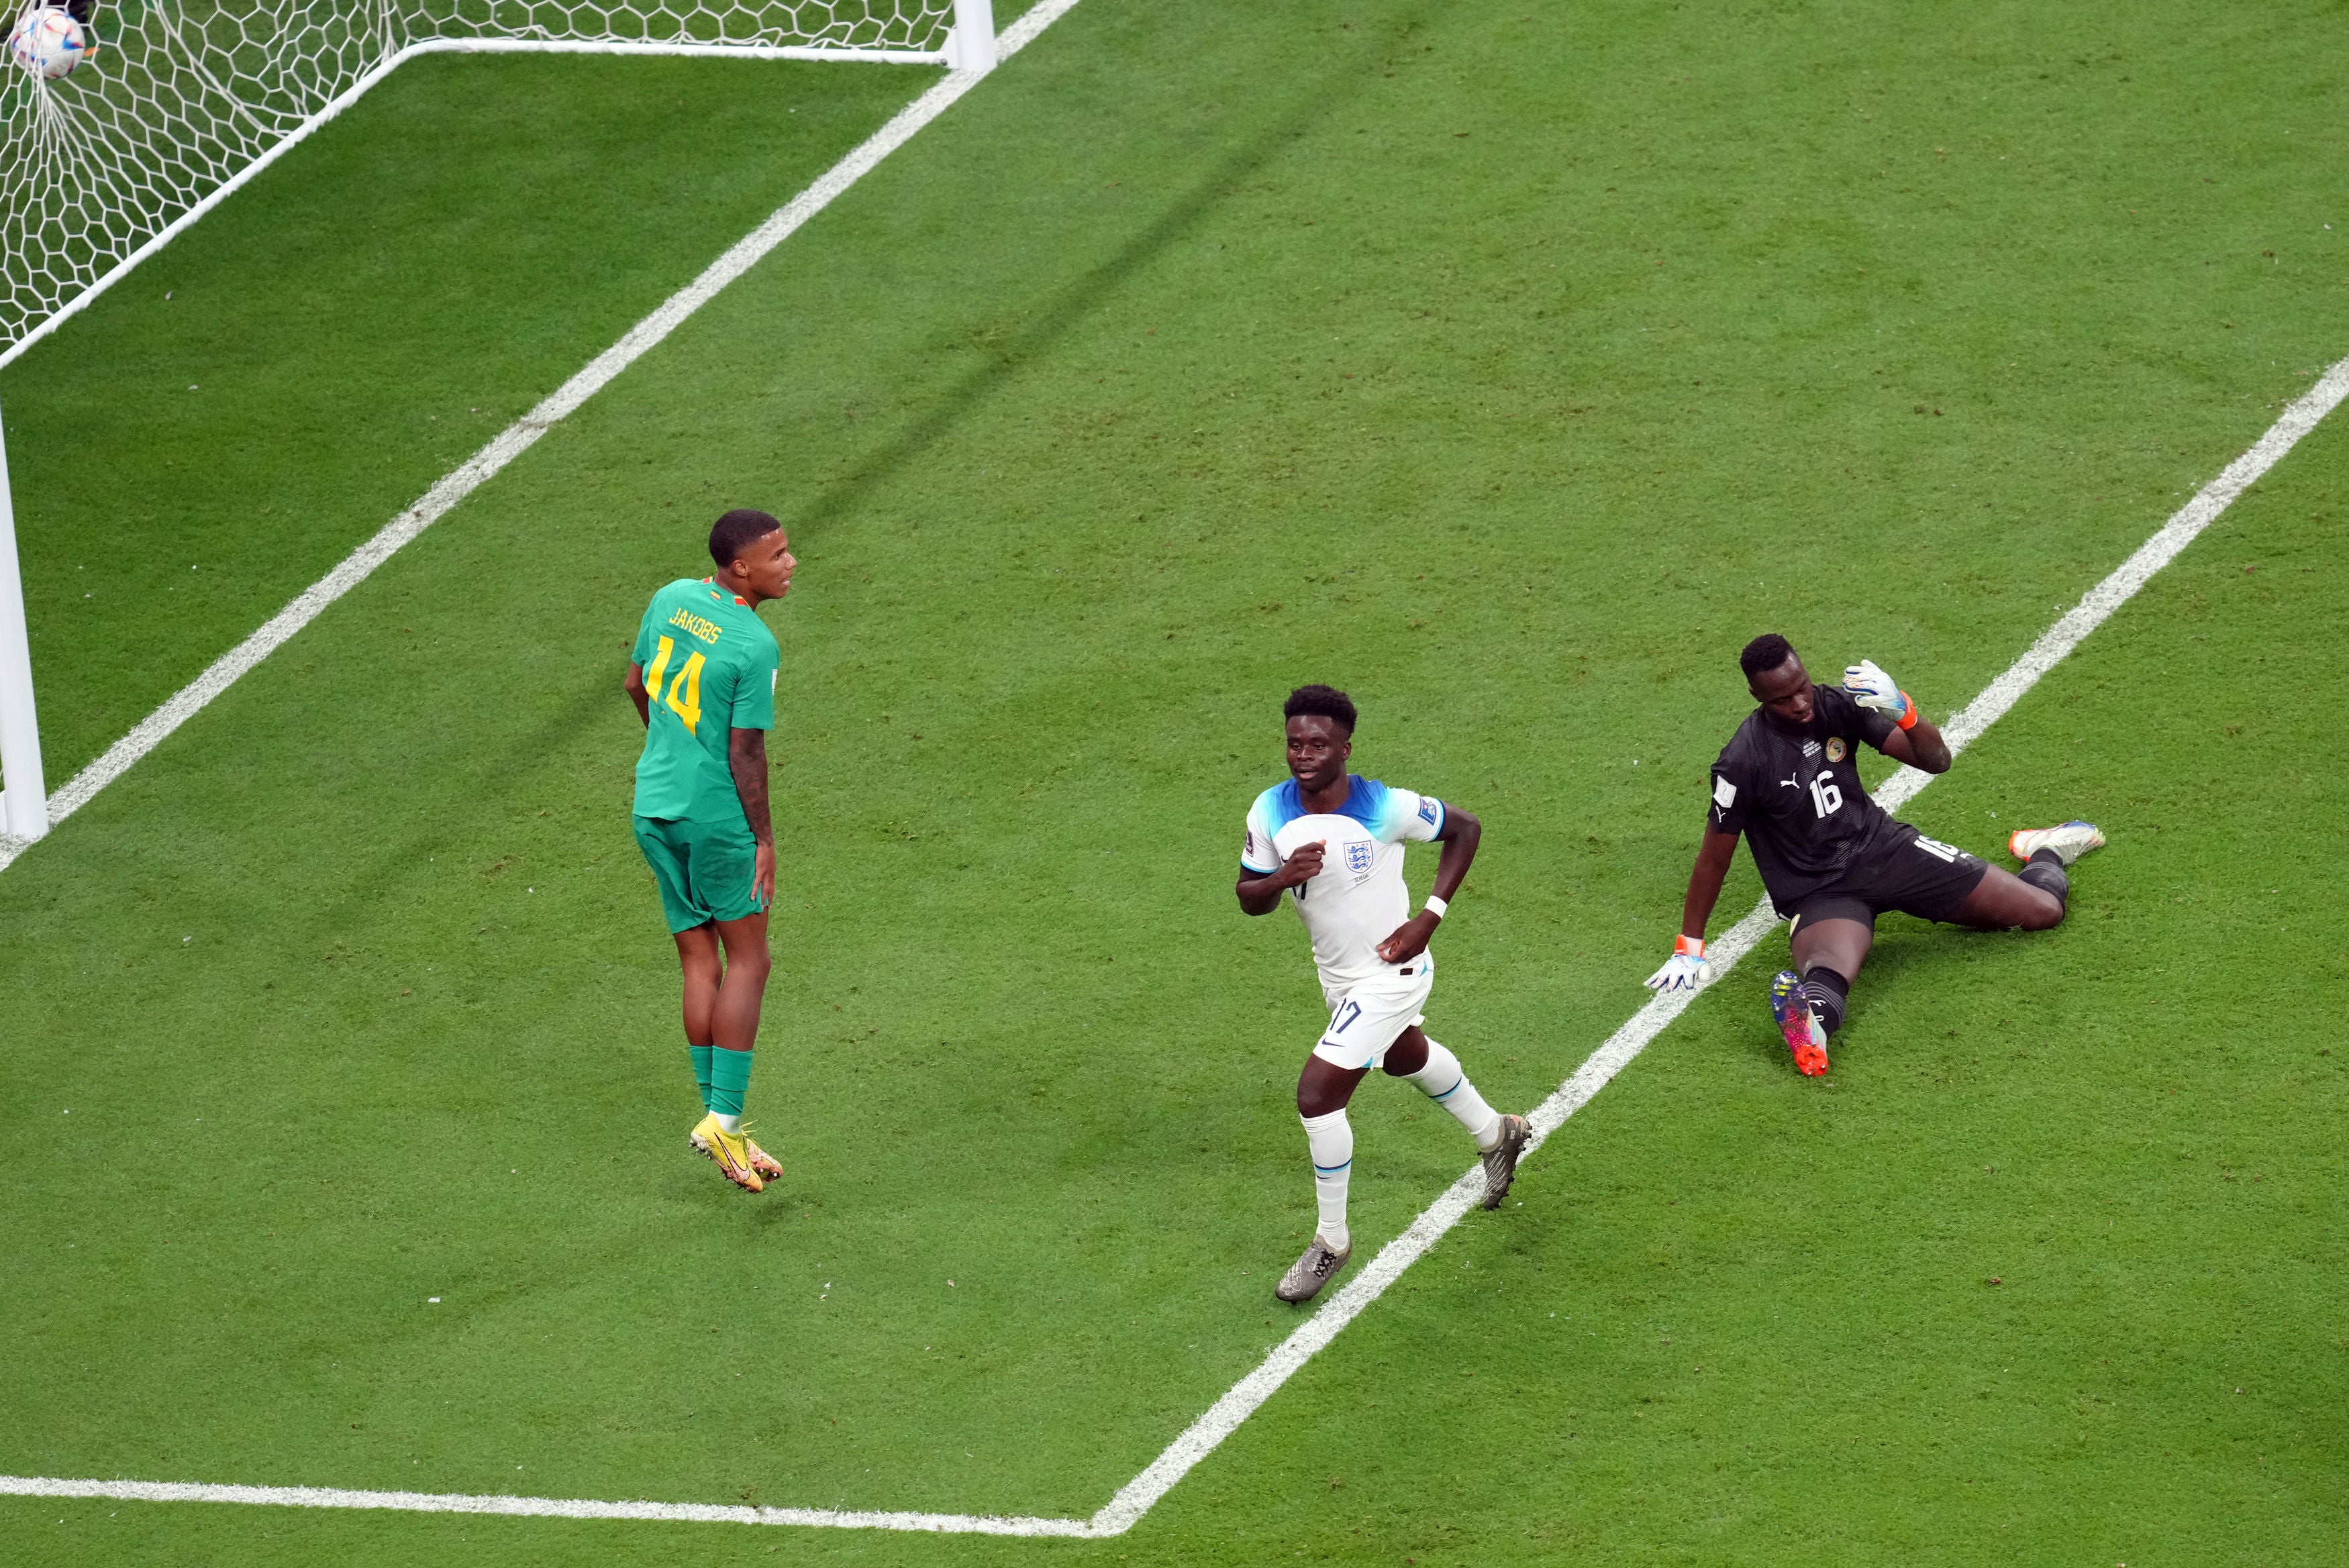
(737, 528)
(1764, 653)
(1327, 702)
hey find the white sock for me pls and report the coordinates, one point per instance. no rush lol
(730, 1123)
(1331, 1140)
(1443, 1081)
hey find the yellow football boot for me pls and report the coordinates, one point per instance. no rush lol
(769, 1168)
(732, 1152)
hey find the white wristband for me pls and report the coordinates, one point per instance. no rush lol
(1436, 906)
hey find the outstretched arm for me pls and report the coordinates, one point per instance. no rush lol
(1686, 968)
(1712, 869)
(1462, 832)
(746, 757)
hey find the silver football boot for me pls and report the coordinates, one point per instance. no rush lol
(1501, 1159)
(1308, 1273)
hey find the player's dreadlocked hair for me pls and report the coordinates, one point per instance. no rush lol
(734, 531)
(1327, 702)
(1764, 653)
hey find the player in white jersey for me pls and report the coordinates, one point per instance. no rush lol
(1333, 842)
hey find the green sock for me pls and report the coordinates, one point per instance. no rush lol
(729, 1076)
(701, 1055)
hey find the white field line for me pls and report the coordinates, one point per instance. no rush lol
(2098, 604)
(1138, 1496)
(518, 437)
(534, 1507)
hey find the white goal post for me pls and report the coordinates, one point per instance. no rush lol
(182, 101)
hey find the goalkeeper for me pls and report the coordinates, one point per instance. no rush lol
(1832, 859)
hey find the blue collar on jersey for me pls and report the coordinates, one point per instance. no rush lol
(1365, 798)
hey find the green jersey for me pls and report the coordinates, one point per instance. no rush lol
(709, 668)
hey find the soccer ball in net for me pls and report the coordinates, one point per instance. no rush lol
(47, 42)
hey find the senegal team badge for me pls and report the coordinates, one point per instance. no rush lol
(1836, 749)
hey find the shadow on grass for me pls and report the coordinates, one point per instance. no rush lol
(1078, 298)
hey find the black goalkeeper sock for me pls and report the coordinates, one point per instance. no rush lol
(1826, 991)
(2045, 870)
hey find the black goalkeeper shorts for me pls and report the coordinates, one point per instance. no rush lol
(1904, 871)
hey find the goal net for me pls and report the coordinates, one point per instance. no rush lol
(181, 98)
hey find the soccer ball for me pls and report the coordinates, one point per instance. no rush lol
(47, 42)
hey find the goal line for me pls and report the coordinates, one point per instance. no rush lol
(1138, 1496)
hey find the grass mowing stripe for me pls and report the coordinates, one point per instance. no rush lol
(525, 432)
(2132, 574)
(1137, 1497)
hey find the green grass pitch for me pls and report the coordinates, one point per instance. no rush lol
(1510, 366)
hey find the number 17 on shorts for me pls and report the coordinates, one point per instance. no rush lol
(1366, 1019)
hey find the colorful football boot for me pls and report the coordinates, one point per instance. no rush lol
(1798, 1024)
(2070, 841)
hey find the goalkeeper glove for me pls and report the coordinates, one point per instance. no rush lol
(1685, 970)
(1870, 687)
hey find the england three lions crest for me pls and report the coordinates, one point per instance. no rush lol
(1358, 857)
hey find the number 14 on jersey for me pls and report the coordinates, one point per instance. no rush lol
(684, 692)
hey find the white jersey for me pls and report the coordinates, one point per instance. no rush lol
(1359, 898)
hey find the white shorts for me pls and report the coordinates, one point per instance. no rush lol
(1366, 1019)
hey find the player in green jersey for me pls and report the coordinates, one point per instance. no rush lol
(703, 679)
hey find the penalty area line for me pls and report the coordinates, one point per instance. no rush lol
(1202, 1438)
(523, 433)
(1136, 1498)
(1244, 1398)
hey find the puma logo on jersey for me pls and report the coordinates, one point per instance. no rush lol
(1793, 782)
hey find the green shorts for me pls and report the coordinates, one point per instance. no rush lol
(706, 869)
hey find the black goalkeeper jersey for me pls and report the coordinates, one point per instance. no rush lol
(1795, 794)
